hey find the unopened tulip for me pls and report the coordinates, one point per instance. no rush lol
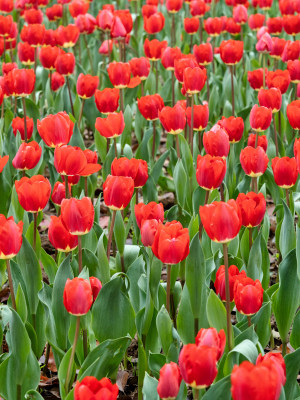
(172, 119)
(278, 360)
(270, 98)
(18, 126)
(77, 215)
(234, 127)
(153, 48)
(278, 45)
(234, 274)
(253, 208)
(191, 25)
(112, 126)
(107, 100)
(96, 286)
(10, 237)
(86, 85)
(210, 171)
(254, 161)
(140, 67)
(194, 80)
(279, 79)
(154, 23)
(168, 57)
(201, 115)
(256, 21)
(78, 296)
(169, 381)
(119, 74)
(134, 168)
(148, 211)
(28, 156)
(255, 78)
(48, 56)
(59, 193)
(293, 114)
(231, 51)
(57, 81)
(216, 142)
(260, 118)
(65, 64)
(285, 171)
(203, 53)
(118, 191)
(33, 193)
(212, 338)
(60, 237)
(148, 231)
(248, 295)
(213, 26)
(149, 106)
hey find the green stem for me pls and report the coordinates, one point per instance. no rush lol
(154, 139)
(168, 287)
(192, 124)
(85, 343)
(111, 229)
(284, 347)
(249, 320)
(79, 254)
(11, 286)
(70, 96)
(89, 53)
(81, 113)
(67, 187)
(201, 225)
(67, 383)
(232, 89)
(227, 291)
(35, 215)
(250, 238)
(25, 122)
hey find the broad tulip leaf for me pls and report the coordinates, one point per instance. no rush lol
(292, 362)
(287, 238)
(180, 181)
(219, 390)
(246, 348)
(150, 388)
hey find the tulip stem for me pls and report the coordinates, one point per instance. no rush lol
(249, 320)
(70, 96)
(254, 180)
(85, 343)
(284, 345)
(11, 287)
(222, 192)
(168, 287)
(47, 355)
(275, 135)
(79, 254)
(67, 382)
(34, 68)
(108, 48)
(287, 196)
(35, 215)
(81, 113)
(192, 124)
(196, 326)
(142, 88)
(122, 100)
(89, 53)
(154, 139)
(177, 146)
(196, 393)
(67, 187)
(201, 225)
(25, 121)
(232, 89)
(191, 43)
(137, 195)
(115, 146)
(227, 292)
(111, 229)
(173, 88)
(264, 70)
(250, 238)
(207, 88)
(156, 76)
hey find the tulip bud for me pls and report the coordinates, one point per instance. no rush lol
(248, 295)
(77, 215)
(254, 161)
(234, 274)
(285, 171)
(212, 338)
(78, 296)
(253, 208)
(10, 237)
(96, 286)
(60, 237)
(169, 381)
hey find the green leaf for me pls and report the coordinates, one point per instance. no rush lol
(180, 181)
(287, 239)
(185, 318)
(286, 299)
(156, 361)
(62, 372)
(113, 316)
(164, 327)
(295, 337)
(292, 362)
(103, 262)
(254, 269)
(49, 265)
(150, 388)
(33, 395)
(219, 390)
(100, 143)
(119, 232)
(21, 304)
(246, 348)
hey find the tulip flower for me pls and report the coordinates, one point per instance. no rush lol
(291, 51)
(254, 161)
(198, 365)
(291, 24)
(293, 114)
(96, 286)
(154, 23)
(18, 126)
(262, 141)
(55, 12)
(234, 127)
(86, 87)
(191, 26)
(169, 381)
(182, 63)
(107, 100)
(248, 295)
(285, 173)
(48, 56)
(256, 21)
(140, 67)
(201, 115)
(278, 361)
(294, 70)
(26, 53)
(253, 208)
(148, 231)
(111, 127)
(210, 171)
(59, 193)
(260, 120)
(60, 237)
(134, 168)
(148, 211)
(10, 245)
(270, 98)
(33, 34)
(153, 49)
(105, 20)
(90, 387)
(77, 7)
(258, 382)
(274, 25)
(216, 142)
(233, 274)
(56, 130)
(57, 81)
(279, 79)
(168, 57)
(119, 75)
(171, 246)
(213, 26)
(278, 45)
(3, 162)
(28, 156)
(173, 120)
(67, 36)
(212, 338)
(78, 299)
(255, 78)
(203, 53)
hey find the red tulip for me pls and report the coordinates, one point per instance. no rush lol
(291, 51)
(294, 70)
(286, 7)
(262, 141)
(257, 382)
(210, 171)
(293, 114)
(155, 23)
(26, 53)
(285, 171)
(77, 215)
(234, 274)
(198, 365)
(28, 156)
(279, 79)
(278, 361)
(86, 85)
(134, 168)
(168, 57)
(78, 296)
(256, 21)
(48, 56)
(49, 38)
(33, 34)
(7, 67)
(71, 160)
(169, 381)
(201, 115)
(254, 161)
(86, 23)
(264, 44)
(65, 63)
(107, 100)
(255, 78)
(10, 237)
(212, 338)
(90, 388)
(194, 79)
(112, 126)
(191, 25)
(153, 48)
(232, 27)
(173, 6)
(240, 14)
(60, 237)
(182, 63)
(172, 119)
(270, 98)
(22, 81)
(6, 25)
(18, 126)
(3, 162)
(57, 81)
(198, 8)
(105, 20)
(148, 211)
(216, 142)
(118, 191)
(55, 12)
(203, 53)
(253, 208)
(213, 26)
(118, 29)
(6, 6)
(67, 36)
(119, 74)
(96, 286)
(126, 18)
(148, 231)
(278, 45)
(291, 24)
(149, 106)
(231, 51)
(274, 25)
(248, 295)
(140, 67)
(260, 118)
(59, 193)
(33, 193)
(171, 243)
(148, 9)
(77, 7)
(56, 130)
(234, 127)
(221, 221)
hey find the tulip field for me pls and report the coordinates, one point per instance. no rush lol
(149, 199)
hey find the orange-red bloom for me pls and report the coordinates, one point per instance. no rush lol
(33, 193)
(171, 243)
(48, 56)
(168, 57)
(291, 24)
(173, 6)
(173, 119)
(60, 237)
(149, 106)
(59, 193)
(270, 98)
(293, 114)
(216, 142)
(285, 171)
(86, 85)
(90, 388)
(291, 51)
(294, 70)
(279, 79)
(140, 67)
(191, 25)
(153, 48)
(154, 23)
(26, 53)
(234, 274)
(117, 191)
(260, 118)
(77, 215)
(10, 237)
(262, 141)
(198, 8)
(65, 63)
(55, 12)
(278, 361)
(136, 169)
(86, 23)
(119, 74)
(255, 78)
(71, 160)
(213, 26)
(274, 25)
(105, 20)
(256, 21)
(78, 296)
(67, 36)
(212, 338)
(210, 171)
(253, 208)
(111, 126)
(3, 162)
(169, 381)
(203, 53)
(33, 34)
(231, 51)
(254, 161)
(278, 45)
(107, 100)
(248, 295)
(201, 115)
(148, 231)
(181, 64)
(194, 80)
(198, 365)
(27, 156)
(56, 130)
(148, 211)
(18, 126)
(77, 7)
(57, 81)
(22, 81)
(234, 128)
